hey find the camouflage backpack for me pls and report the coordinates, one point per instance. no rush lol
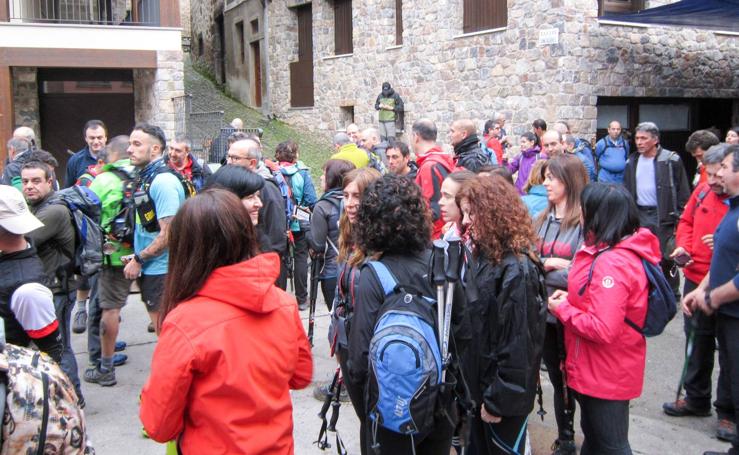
(41, 415)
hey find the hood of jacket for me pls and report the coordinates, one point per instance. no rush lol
(291, 169)
(435, 155)
(642, 243)
(531, 152)
(246, 284)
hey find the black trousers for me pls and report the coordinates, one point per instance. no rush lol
(727, 332)
(698, 385)
(356, 395)
(94, 314)
(605, 425)
(506, 437)
(328, 289)
(300, 267)
(564, 414)
(649, 218)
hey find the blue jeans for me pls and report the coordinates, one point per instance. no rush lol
(605, 426)
(63, 304)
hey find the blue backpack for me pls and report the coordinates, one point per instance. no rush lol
(404, 359)
(661, 303)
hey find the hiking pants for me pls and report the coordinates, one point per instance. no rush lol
(551, 356)
(698, 384)
(328, 289)
(63, 305)
(605, 426)
(94, 314)
(387, 131)
(300, 267)
(507, 437)
(356, 395)
(437, 442)
(727, 329)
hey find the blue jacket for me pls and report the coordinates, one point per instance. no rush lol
(77, 165)
(304, 193)
(584, 152)
(536, 200)
(611, 158)
(726, 255)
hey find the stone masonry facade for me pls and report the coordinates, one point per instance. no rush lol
(443, 74)
(155, 89)
(25, 99)
(204, 30)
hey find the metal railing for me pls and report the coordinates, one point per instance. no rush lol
(102, 12)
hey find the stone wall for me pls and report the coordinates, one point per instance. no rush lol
(154, 90)
(443, 74)
(204, 25)
(25, 99)
(240, 62)
(185, 17)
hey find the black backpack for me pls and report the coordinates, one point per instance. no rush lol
(143, 201)
(661, 303)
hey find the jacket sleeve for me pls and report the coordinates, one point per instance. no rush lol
(514, 164)
(683, 187)
(309, 191)
(377, 102)
(273, 221)
(600, 147)
(398, 103)
(508, 394)
(630, 175)
(53, 217)
(684, 235)
(369, 297)
(609, 293)
(164, 396)
(70, 175)
(303, 373)
(318, 229)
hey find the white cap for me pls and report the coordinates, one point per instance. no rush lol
(14, 214)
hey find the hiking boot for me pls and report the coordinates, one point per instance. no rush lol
(79, 325)
(120, 346)
(303, 306)
(103, 378)
(563, 447)
(320, 392)
(726, 430)
(681, 408)
(119, 359)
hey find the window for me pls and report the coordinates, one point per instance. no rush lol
(608, 113)
(619, 6)
(254, 26)
(482, 15)
(343, 27)
(347, 115)
(668, 117)
(200, 44)
(240, 51)
(398, 22)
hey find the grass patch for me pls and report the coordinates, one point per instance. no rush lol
(209, 96)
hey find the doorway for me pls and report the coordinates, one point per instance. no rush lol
(257, 76)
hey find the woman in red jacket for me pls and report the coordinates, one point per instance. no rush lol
(605, 356)
(231, 345)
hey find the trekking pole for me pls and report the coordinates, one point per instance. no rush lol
(688, 353)
(313, 295)
(439, 279)
(322, 440)
(452, 272)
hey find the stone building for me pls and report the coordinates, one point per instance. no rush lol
(84, 60)
(208, 40)
(322, 62)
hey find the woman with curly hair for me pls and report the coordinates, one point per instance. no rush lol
(394, 227)
(506, 301)
(348, 262)
(560, 236)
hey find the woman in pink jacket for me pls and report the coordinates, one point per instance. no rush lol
(231, 344)
(606, 356)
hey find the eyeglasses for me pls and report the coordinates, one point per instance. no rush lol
(231, 157)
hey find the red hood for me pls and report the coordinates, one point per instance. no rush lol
(245, 284)
(643, 243)
(436, 155)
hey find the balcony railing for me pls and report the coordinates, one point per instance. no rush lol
(100, 12)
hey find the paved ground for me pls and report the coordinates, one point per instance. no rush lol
(114, 427)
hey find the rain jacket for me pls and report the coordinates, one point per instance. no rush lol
(611, 156)
(297, 175)
(605, 356)
(224, 365)
(433, 167)
(523, 164)
(468, 154)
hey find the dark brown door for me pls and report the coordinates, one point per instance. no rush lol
(257, 74)
(301, 72)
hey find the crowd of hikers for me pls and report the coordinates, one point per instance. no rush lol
(453, 277)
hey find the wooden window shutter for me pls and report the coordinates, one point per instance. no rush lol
(305, 32)
(481, 15)
(343, 27)
(398, 22)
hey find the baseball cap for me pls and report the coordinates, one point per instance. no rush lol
(14, 214)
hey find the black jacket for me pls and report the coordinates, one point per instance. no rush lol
(469, 155)
(272, 226)
(507, 309)
(323, 236)
(669, 208)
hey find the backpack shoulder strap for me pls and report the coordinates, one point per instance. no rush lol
(590, 272)
(386, 277)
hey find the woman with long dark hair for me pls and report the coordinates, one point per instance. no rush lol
(506, 301)
(607, 287)
(323, 236)
(560, 236)
(243, 183)
(231, 344)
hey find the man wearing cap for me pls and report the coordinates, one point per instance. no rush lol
(26, 304)
(55, 243)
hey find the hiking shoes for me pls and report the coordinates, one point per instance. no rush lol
(79, 325)
(564, 447)
(303, 306)
(320, 392)
(100, 377)
(681, 408)
(119, 359)
(726, 430)
(120, 346)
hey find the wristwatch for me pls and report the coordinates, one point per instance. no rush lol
(709, 303)
(138, 259)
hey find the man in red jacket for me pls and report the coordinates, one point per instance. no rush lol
(706, 207)
(433, 167)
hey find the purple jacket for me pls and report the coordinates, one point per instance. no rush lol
(523, 164)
